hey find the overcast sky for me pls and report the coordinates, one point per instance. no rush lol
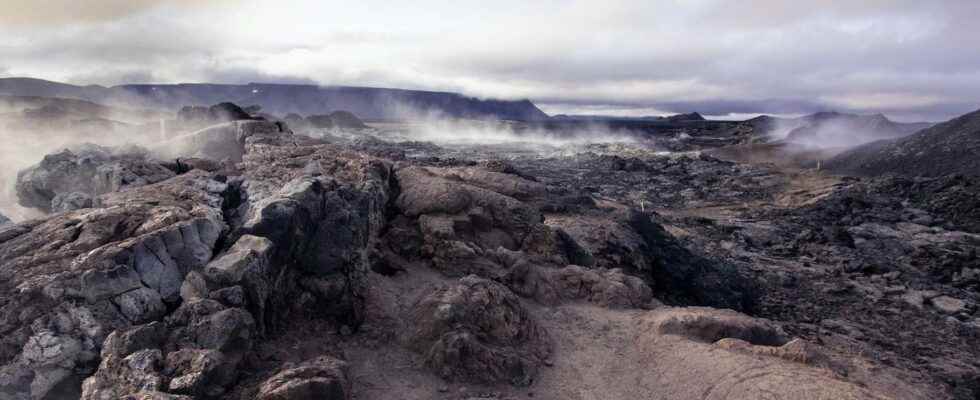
(908, 59)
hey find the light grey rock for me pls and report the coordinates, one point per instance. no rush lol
(249, 256)
(141, 305)
(70, 201)
(198, 372)
(66, 180)
(83, 274)
(248, 266)
(52, 357)
(121, 375)
(948, 305)
(108, 283)
(194, 287)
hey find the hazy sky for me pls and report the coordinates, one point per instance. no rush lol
(908, 59)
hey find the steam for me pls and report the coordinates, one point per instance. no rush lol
(25, 145)
(831, 131)
(782, 127)
(436, 127)
(21, 148)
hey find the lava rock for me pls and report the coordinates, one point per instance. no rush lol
(610, 288)
(323, 378)
(70, 201)
(478, 331)
(67, 180)
(948, 305)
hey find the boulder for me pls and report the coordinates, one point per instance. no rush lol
(710, 325)
(198, 372)
(478, 331)
(948, 305)
(552, 286)
(247, 266)
(322, 378)
(131, 362)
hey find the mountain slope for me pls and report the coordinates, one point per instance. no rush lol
(832, 129)
(949, 147)
(365, 102)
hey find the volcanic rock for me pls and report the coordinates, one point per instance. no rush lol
(323, 378)
(70, 201)
(70, 179)
(610, 288)
(478, 331)
(948, 305)
(190, 116)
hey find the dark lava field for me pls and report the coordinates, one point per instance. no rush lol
(243, 255)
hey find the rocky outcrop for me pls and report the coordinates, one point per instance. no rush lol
(458, 221)
(72, 178)
(4, 219)
(635, 242)
(187, 269)
(477, 330)
(104, 269)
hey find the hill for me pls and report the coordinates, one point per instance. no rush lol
(832, 129)
(947, 148)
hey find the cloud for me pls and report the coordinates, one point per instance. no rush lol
(54, 12)
(908, 59)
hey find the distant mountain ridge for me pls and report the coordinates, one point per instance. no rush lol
(694, 116)
(365, 102)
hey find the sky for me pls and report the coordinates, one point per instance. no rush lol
(911, 60)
